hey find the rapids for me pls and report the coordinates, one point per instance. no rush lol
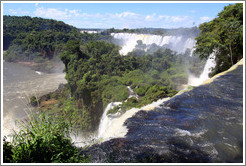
(204, 124)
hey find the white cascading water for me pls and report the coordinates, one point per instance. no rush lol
(114, 127)
(105, 121)
(196, 81)
(176, 43)
(132, 93)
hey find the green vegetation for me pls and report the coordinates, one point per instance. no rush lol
(97, 75)
(39, 40)
(29, 38)
(33, 101)
(42, 139)
(223, 36)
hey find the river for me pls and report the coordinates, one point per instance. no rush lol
(203, 125)
(19, 84)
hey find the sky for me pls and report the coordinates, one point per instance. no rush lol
(119, 15)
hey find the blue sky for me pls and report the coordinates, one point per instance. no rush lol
(120, 15)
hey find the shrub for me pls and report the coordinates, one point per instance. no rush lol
(140, 90)
(33, 101)
(113, 110)
(7, 151)
(42, 139)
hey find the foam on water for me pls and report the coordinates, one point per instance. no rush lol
(114, 127)
(38, 72)
(196, 81)
(181, 132)
(105, 122)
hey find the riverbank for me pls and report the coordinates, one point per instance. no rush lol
(28, 64)
(19, 84)
(47, 66)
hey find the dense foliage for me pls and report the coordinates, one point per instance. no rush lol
(42, 139)
(39, 40)
(17, 27)
(223, 36)
(97, 75)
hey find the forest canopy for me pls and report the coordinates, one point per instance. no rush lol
(222, 36)
(37, 39)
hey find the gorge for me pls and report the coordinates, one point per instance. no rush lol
(182, 130)
(112, 125)
(139, 95)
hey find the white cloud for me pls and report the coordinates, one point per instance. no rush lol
(36, 4)
(18, 11)
(205, 19)
(51, 13)
(74, 12)
(150, 17)
(179, 18)
(125, 14)
(133, 20)
(126, 19)
(12, 11)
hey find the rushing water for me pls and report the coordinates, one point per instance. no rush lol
(113, 126)
(201, 125)
(195, 81)
(19, 84)
(132, 93)
(105, 122)
(176, 43)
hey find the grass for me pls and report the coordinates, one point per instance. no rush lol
(42, 139)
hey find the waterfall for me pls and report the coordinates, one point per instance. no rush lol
(195, 81)
(104, 123)
(113, 127)
(132, 93)
(176, 43)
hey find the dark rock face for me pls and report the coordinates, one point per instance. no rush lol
(201, 125)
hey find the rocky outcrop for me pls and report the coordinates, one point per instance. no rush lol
(204, 124)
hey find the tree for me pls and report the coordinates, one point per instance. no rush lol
(223, 36)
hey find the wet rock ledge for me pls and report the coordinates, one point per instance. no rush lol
(204, 124)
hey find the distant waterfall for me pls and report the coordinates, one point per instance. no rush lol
(196, 81)
(176, 43)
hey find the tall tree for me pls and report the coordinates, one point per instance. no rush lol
(223, 36)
